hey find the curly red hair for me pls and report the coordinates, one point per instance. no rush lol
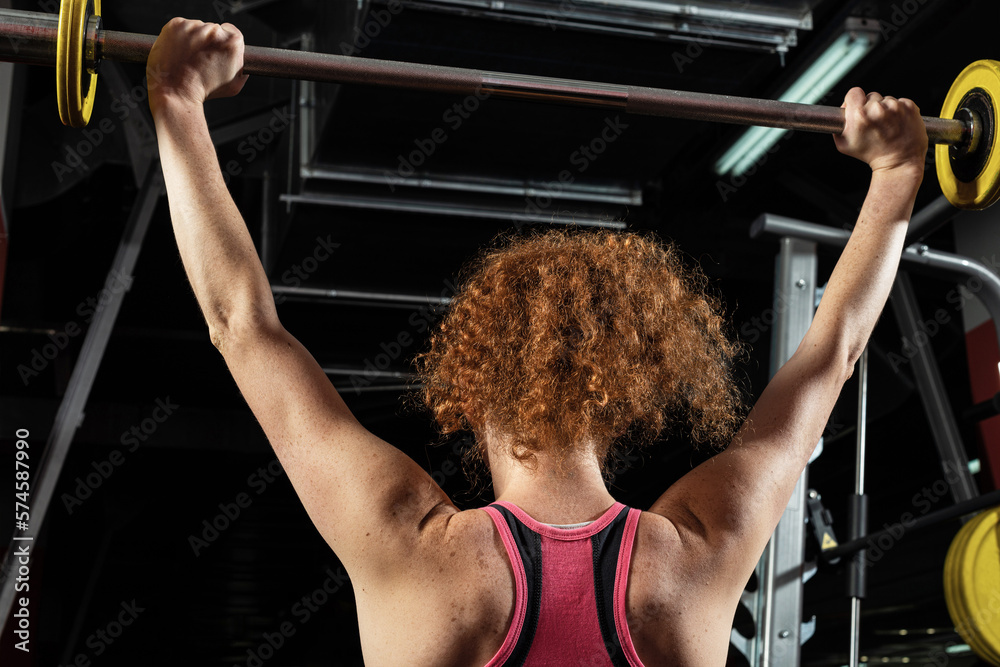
(566, 336)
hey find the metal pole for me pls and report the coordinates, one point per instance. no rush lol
(933, 394)
(266, 248)
(862, 430)
(859, 511)
(30, 37)
(777, 608)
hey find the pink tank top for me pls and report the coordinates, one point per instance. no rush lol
(569, 590)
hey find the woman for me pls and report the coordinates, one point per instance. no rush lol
(556, 347)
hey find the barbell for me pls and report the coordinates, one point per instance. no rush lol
(75, 42)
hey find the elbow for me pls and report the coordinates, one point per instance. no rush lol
(853, 354)
(848, 359)
(847, 374)
(834, 356)
(227, 327)
(841, 359)
(218, 337)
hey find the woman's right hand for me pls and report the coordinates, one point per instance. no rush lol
(883, 132)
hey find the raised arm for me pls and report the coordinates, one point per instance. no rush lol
(368, 499)
(727, 508)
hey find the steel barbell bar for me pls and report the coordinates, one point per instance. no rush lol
(31, 38)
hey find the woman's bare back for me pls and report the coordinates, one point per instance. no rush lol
(452, 604)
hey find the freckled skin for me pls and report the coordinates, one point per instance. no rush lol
(473, 607)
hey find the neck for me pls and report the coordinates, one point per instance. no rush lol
(550, 492)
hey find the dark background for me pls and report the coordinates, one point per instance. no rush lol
(131, 539)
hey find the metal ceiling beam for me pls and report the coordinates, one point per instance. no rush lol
(738, 27)
(361, 371)
(333, 294)
(582, 192)
(516, 214)
(375, 388)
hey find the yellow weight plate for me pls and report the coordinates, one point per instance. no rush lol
(982, 190)
(972, 584)
(979, 582)
(954, 601)
(75, 104)
(81, 103)
(66, 8)
(952, 576)
(973, 617)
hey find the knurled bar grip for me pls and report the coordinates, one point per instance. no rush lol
(286, 64)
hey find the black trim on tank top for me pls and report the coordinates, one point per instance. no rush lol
(606, 547)
(529, 546)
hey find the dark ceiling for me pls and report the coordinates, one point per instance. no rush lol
(131, 538)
